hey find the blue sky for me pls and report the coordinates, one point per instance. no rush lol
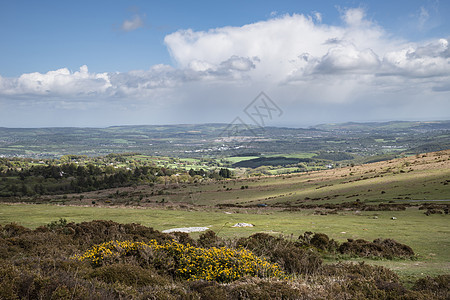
(100, 63)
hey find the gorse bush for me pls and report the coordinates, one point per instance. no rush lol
(101, 254)
(220, 264)
(186, 261)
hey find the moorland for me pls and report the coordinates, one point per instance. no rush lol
(343, 211)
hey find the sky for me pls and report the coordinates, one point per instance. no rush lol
(104, 63)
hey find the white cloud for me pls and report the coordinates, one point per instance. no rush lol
(423, 17)
(285, 49)
(275, 42)
(238, 63)
(134, 23)
(138, 84)
(61, 82)
(438, 48)
(294, 48)
(354, 17)
(429, 60)
(233, 65)
(318, 16)
(295, 58)
(343, 58)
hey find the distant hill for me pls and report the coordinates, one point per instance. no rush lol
(386, 126)
(221, 140)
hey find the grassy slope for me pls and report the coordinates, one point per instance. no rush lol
(405, 179)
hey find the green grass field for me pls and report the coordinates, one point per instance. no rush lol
(236, 159)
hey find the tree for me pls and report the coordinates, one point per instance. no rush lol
(24, 190)
(225, 173)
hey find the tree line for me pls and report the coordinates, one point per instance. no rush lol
(73, 178)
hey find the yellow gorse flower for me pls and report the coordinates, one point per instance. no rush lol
(191, 263)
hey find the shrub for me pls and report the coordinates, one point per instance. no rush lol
(209, 290)
(264, 289)
(289, 255)
(54, 225)
(113, 251)
(187, 262)
(209, 239)
(438, 286)
(183, 238)
(364, 281)
(359, 271)
(386, 248)
(128, 274)
(24, 281)
(319, 241)
(8, 276)
(99, 231)
(12, 230)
